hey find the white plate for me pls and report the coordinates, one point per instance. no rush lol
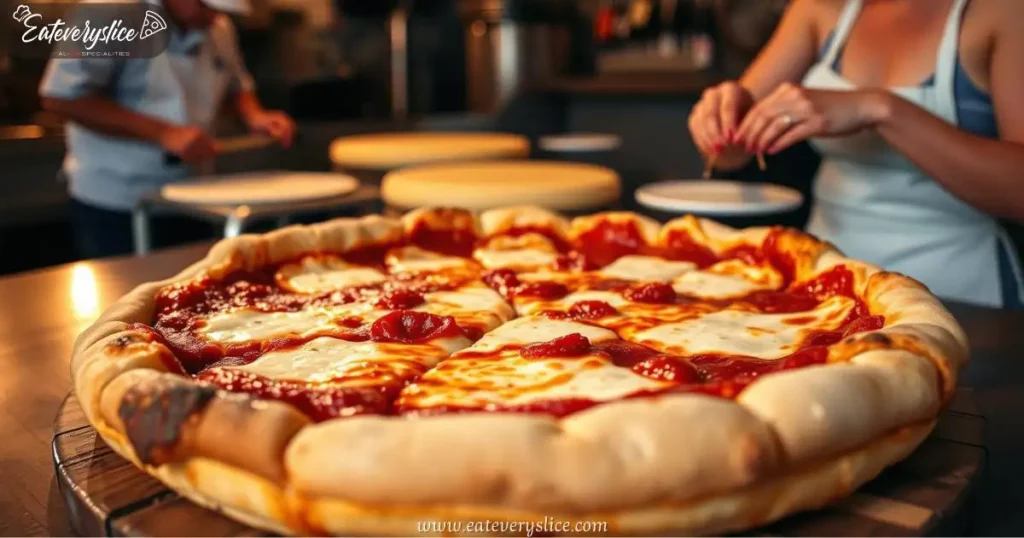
(580, 142)
(719, 198)
(261, 188)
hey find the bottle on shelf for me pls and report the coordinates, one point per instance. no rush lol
(696, 23)
(668, 39)
(604, 23)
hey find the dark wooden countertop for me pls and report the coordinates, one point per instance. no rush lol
(42, 312)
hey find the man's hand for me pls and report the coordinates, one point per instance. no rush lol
(191, 144)
(273, 123)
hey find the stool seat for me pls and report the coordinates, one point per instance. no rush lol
(479, 185)
(387, 151)
(260, 189)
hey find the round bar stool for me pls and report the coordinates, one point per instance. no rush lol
(560, 186)
(369, 157)
(237, 200)
(593, 148)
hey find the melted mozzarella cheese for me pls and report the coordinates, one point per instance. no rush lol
(646, 268)
(733, 332)
(518, 258)
(346, 363)
(528, 330)
(728, 279)
(315, 275)
(708, 285)
(525, 252)
(612, 298)
(762, 274)
(243, 325)
(473, 298)
(481, 306)
(513, 380)
(319, 282)
(417, 260)
(607, 382)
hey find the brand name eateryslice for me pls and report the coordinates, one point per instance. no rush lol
(87, 35)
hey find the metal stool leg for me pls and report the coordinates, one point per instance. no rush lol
(236, 222)
(140, 229)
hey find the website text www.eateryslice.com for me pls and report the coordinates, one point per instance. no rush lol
(545, 526)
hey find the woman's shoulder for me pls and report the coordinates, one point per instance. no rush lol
(1005, 14)
(822, 14)
(823, 6)
(1004, 7)
(988, 19)
(827, 6)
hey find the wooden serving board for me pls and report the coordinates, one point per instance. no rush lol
(929, 493)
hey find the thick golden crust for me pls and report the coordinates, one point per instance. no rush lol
(684, 463)
(242, 495)
(169, 419)
(649, 228)
(718, 237)
(612, 456)
(914, 315)
(495, 221)
(821, 410)
(344, 235)
(441, 219)
(809, 485)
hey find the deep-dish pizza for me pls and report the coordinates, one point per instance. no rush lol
(363, 375)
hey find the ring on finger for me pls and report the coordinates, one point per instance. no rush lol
(787, 120)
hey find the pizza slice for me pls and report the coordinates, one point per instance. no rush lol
(324, 273)
(151, 24)
(560, 367)
(328, 336)
(327, 378)
(534, 365)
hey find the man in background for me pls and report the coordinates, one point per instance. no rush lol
(127, 116)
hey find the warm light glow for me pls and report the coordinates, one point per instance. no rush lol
(21, 132)
(85, 298)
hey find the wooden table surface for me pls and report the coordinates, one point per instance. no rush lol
(42, 312)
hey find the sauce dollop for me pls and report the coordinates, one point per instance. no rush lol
(413, 327)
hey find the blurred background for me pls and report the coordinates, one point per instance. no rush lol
(628, 68)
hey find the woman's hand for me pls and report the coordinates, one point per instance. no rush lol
(715, 119)
(792, 114)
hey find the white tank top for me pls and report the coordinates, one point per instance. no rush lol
(876, 205)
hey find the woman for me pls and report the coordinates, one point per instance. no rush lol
(916, 107)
